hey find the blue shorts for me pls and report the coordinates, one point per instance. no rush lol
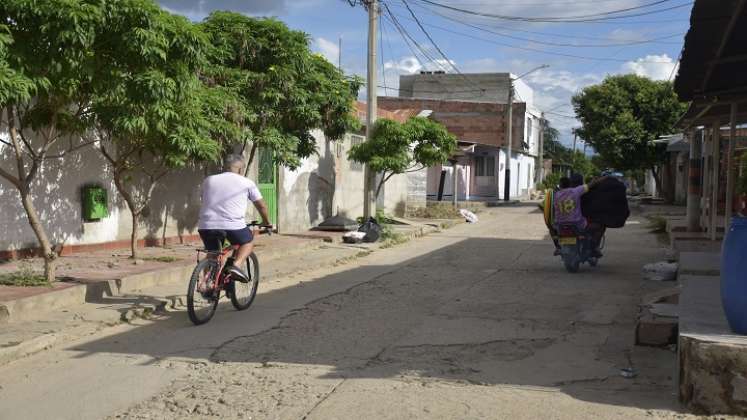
(213, 238)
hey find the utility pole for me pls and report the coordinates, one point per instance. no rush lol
(541, 167)
(509, 120)
(339, 54)
(369, 204)
(575, 136)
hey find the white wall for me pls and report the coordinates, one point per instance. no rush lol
(57, 197)
(522, 174)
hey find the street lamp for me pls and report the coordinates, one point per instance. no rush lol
(507, 183)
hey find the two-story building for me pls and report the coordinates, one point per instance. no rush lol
(474, 108)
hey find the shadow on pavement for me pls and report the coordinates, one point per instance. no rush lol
(480, 311)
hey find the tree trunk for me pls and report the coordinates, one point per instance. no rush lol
(134, 211)
(133, 234)
(50, 256)
(657, 181)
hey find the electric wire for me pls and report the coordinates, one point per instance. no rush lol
(540, 42)
(571, 19)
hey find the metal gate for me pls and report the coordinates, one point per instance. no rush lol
(267, 182)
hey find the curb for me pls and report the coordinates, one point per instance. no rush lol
(28, 308)
(85, 293)
(28, 347)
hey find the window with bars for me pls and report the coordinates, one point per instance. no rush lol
(355, 140)
(484, 166)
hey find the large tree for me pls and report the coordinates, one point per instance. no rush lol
(45, 78)
(286, 91)
(622, 116)
(152, 113)
(397, 148)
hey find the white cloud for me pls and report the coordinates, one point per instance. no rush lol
(198, 9)
(657, 67)
(626, 35)
(330, 50)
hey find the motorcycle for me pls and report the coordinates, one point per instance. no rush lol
(576, 247)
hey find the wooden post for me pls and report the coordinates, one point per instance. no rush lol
(693, 186)
(705, 203)
(716, 153)
(730, 166)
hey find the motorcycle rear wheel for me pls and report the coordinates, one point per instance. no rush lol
(571, 264)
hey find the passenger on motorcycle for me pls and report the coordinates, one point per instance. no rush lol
(567, 207)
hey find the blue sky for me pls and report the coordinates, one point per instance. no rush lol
(647, 44)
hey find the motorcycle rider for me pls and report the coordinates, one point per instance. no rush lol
(567, 208)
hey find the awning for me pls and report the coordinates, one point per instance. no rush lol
(714, 57)
(714, 63)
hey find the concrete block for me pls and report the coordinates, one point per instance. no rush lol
(30, 307)
(700, 263)
(667, 295)
(657, 325)
(4, 314)
(652, 331)
(712, 359)
(660, 271)
(739, 385)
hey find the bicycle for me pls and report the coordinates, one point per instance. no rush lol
(210, 277)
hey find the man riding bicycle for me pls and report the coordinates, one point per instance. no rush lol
(225, 198)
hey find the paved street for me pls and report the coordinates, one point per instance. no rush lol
(479, 321)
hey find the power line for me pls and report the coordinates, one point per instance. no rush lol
(512, 29)
(381, 46)
(430, 38)
(405, 33)
(570, 19)
(554, 44)
(537, 50)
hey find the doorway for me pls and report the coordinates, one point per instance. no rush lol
(267, 181)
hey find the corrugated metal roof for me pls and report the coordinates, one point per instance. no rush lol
(714, 57)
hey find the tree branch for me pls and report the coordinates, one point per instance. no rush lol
(72, 149)
(20, 166)
(13, 180)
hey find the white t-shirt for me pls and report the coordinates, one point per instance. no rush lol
(225, 200)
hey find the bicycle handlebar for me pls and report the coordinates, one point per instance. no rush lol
(265, 228)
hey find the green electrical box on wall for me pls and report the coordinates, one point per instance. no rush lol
(95, 203)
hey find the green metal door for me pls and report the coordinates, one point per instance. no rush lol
(267, 182)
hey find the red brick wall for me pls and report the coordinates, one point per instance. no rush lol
(478, 122)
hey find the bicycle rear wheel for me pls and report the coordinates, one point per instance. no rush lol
(243, 294)
(202, 295)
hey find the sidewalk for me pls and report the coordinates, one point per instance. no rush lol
(90, 300)
(83, 277)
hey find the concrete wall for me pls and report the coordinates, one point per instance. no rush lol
(329, 183)
(57, 197)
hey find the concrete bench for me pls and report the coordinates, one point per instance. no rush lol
(712, 359)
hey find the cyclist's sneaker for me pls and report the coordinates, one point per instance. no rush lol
(238, 274)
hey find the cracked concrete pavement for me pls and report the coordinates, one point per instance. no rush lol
(479, 321)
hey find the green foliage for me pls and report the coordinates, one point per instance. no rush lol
(395, 148)
(285, 91)
(147, 97)
(439, 211)
(622, 116)
(25, 276)
(657, 224)
(551, 181)
(46, 55)
(561, 154)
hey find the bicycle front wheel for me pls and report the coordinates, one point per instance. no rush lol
(243, 294)
(202, 294)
